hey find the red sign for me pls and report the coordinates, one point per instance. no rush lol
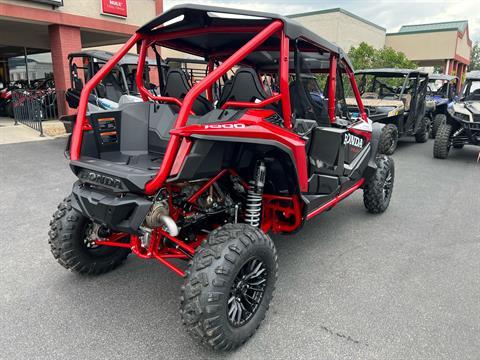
(115, 7)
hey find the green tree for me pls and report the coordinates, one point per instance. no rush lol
(363, 56)
(475, 57)
(367, 57)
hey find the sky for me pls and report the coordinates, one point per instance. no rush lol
(389, 14)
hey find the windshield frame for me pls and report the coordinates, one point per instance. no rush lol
(375, 76)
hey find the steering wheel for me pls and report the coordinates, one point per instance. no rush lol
(385, 86)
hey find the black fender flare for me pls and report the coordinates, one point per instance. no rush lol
(374, 142)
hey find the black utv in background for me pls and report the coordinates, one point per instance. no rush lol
(395, 97)
(462, 126)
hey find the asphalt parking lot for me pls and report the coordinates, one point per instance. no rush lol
(402, 285)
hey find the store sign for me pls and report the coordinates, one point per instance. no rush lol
(114, 7)
(49, 2)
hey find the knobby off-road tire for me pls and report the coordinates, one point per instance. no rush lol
(438, 120)
(388, 140)
(221, 269)
(378, 189)
(424, 132)
(68, 231)
(442, 143)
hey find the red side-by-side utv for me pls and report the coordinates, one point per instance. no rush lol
(197, 178)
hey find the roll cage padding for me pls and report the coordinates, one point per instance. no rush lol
(177, 86)
(77, 82)
(245, 87)
(304, 106)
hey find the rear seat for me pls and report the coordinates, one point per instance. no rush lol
(144, 129)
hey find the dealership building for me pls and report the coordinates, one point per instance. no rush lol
(342, 27)
(445, 45)
(61, 27)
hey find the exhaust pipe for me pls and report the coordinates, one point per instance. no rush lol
(158, 216)
(169, 223)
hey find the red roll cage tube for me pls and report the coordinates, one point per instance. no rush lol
(205, 85)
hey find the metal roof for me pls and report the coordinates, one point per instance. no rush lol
(442, 77)
(433, 27)
(200, 16)
(391, 71)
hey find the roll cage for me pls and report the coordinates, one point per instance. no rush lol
(224, 43)
(386, 74)
(442, 85)
(471, 88)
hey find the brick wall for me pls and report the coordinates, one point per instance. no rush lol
(63, 41)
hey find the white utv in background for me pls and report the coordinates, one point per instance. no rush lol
(462, 126)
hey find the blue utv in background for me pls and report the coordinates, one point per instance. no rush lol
(441, 91)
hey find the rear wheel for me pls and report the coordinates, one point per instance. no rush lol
(378, 189)
(438, 120)
(388, 140)
(424, 132)
(72, 242)
(229, 286)
(442, 143)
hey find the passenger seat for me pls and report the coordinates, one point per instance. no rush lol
(177, 86)
(245, 87)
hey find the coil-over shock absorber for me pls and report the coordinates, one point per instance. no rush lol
(254, 195)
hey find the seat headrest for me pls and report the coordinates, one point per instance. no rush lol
(246, 87)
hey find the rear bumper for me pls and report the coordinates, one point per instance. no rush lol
(124, 214)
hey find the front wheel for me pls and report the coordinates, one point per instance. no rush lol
(229, 286)
(424, 132)
(388, 140)
(438, 121)
(72, 242)
(378, 189)
(441, 146)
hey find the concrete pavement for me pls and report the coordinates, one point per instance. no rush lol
(351, 285)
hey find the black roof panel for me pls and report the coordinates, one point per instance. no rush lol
(199, 16)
